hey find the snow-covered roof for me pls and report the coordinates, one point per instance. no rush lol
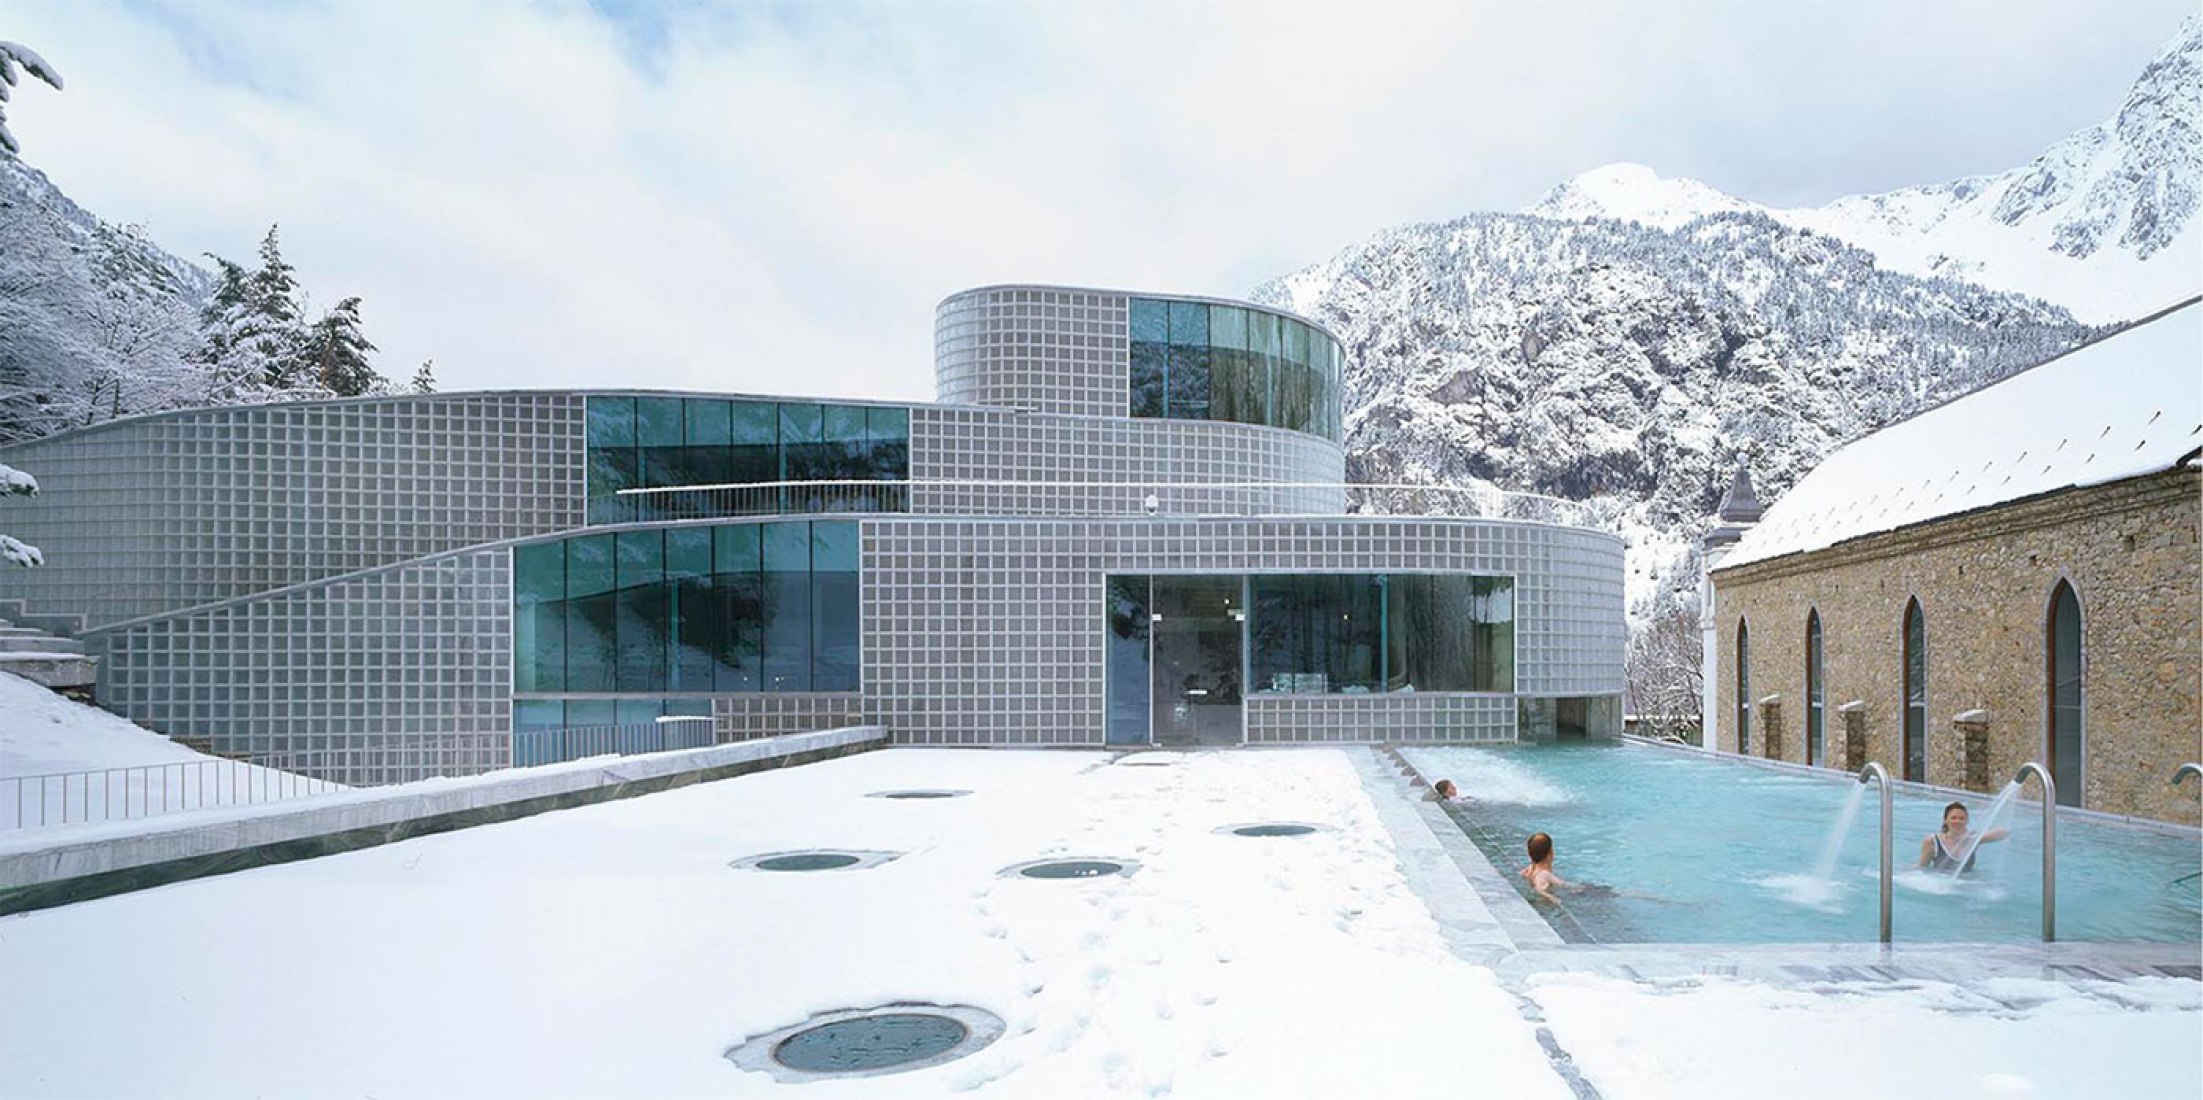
(2127, 404)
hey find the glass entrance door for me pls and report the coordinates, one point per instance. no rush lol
(1196, 625)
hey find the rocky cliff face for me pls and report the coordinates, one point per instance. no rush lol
(1616, 362)
(1630, 338)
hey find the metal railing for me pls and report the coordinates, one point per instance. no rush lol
(1093, 498)
(552, 746)
(150, 790)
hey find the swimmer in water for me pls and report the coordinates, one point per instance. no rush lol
(1939, 852)
(1446, 791)
(1543, 879)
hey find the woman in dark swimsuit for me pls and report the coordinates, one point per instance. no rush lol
(1939, 852)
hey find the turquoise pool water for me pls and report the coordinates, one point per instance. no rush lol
(1703, 850)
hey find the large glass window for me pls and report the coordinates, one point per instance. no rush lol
(1355, 633)
(668, 442)
(2068, 717)
(1816, 710)
(729, 608)
(1125, 642)
(1916, 693)
(1196, 361)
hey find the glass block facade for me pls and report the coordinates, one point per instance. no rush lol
(1124, 524)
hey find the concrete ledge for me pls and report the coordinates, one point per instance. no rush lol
(39, 870)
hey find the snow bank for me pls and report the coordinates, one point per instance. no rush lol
(41, 732)
(1722, 1038)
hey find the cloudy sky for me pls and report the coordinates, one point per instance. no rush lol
(770, 197)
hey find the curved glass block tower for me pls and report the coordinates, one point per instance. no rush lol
(1124, 523)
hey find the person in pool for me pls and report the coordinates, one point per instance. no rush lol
(1446, 791)
(1939, 852)
(1543, 879)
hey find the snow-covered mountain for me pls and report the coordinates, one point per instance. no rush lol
(2105, 223)
(1611, 361)
(95, 319)
(1629, 337)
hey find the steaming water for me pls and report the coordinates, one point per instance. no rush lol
(1728, 853)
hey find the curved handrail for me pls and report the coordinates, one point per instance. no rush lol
(2186, 770)
(2049, 846)
(1874, 772)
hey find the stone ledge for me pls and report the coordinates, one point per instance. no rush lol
(160, 851)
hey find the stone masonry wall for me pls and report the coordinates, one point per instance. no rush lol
(1984, 581)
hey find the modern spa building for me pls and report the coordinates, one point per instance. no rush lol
(2012, 576)
(1123, 523)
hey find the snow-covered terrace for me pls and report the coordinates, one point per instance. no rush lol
(611, 950)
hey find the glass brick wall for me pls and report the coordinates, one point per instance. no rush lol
(1097, 353)
(1066, 455)
(399, 673)
(993, 630)
(164, 512)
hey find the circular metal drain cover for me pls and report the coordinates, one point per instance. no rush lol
(917, 794)
(869, 1042)
(813, 860)
(885, 1041)
(809, 861)
(1072, 868)
(1275, 829)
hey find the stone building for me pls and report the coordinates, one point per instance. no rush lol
(2009, 576)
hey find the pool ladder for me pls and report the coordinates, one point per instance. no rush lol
(1875, 773)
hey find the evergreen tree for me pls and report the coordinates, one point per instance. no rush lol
(336, 352)
(424, 379)
(235, 374)
(12, 55)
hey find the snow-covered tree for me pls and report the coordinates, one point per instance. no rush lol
(16, 483)
(12, 56)
(253, 341)
(336, 352)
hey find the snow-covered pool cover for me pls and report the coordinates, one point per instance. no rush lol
(2126, 405)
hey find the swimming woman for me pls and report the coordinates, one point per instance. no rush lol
(1939, 852)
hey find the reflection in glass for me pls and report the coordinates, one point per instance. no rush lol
(2068, 722)
(1916, 694)
(1125, 637)
(736, 607)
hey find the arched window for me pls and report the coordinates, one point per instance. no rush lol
(1743, 688)
(1916, 693)
(1816, 702)
(2068, 735)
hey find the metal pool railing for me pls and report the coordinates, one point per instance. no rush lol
(150, 790)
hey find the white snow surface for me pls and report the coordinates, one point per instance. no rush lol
(610, 951)
(2126, 405)
(1725, 1039)
(42, 733)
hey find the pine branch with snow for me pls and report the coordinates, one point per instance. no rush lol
(14, 55)
(16, 483)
